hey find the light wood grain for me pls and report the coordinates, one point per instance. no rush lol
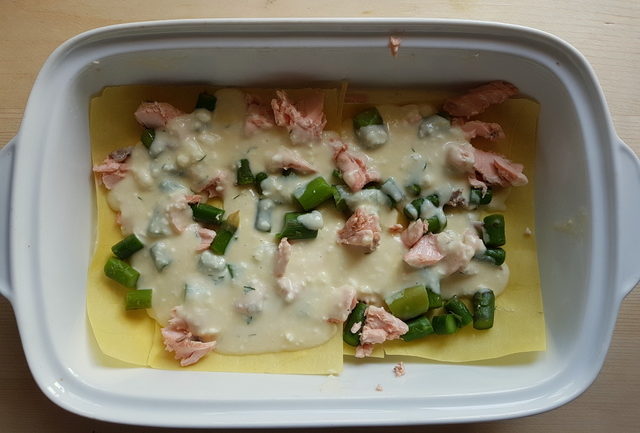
(607, 33)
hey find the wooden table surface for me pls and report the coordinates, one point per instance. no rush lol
(606, 32)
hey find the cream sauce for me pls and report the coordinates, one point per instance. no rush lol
(236, 299)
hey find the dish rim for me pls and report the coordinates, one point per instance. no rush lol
(119, 29)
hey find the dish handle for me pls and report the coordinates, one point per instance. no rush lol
(628, 218)
(6, 171)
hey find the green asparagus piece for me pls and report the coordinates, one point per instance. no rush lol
(147, 137)
(483, 309)
(138, 299)
(244, 176)
(207, 214)
(206, 101)
(263, 214)
(476, 197)
(457, 307)
(313, 194)
(444, 324)
(366, 118)
(356, 316)
(493, 255)
(340, 194)
(432, 125)
(408, 303)
(258, 178)
(126, 247)
(294, 229)
(414, 189)
(434, 198)
(225, 233)
(418, 328)
(337, 175)
(435, 226)
(160, 253)
(435, 300)
(121, 272)
(493, 233)
(412, 210)
(391, 188)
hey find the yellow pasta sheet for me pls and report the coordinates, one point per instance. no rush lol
(132, 336)
(519, 318)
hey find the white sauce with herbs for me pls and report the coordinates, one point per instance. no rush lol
(312, 220)
(235, 298)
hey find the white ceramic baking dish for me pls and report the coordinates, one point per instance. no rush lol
(586, 228)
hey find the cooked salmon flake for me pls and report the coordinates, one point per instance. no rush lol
(394, 45)
(398, 369)
(478, 99)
